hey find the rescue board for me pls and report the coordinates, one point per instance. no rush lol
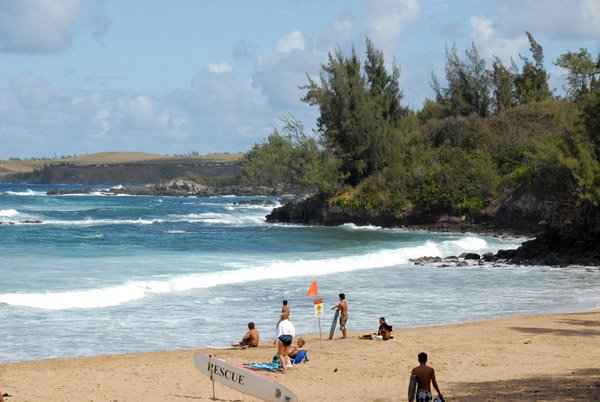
(243, 380)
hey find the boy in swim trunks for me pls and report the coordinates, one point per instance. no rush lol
(343, 309)
(425, 376)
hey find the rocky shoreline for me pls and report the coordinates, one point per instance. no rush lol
(523, 216)
(182, 188)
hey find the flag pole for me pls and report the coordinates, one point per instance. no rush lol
(313, 291)
(320, 337)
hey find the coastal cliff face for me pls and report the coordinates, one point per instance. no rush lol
(524, 215)
(520, 215)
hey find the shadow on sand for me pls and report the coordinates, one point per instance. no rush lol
(582, 385)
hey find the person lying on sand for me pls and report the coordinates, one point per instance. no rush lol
(383, 334)
(250, 339)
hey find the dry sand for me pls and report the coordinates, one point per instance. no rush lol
(532, 358)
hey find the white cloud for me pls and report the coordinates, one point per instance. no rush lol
(290, 43)
(31, 26)
(490, 42)
(344, 26)
(386, 19)
(222, 67)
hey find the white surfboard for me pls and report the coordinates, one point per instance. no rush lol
(336, 319)
(412, 388)
(243, 380)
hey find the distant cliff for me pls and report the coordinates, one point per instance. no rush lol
(126, 173)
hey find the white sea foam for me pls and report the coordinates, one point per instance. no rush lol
(136, 290)
(225, 219)
(471, 243)
(7, 213)
(208, 218)
(97, 222)
(352, 226)
(28, 193)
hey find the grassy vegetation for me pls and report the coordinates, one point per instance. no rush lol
(115, 158)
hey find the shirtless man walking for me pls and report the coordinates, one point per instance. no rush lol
(343, 309)
(425, 376)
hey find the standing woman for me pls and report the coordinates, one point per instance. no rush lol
(283, 338)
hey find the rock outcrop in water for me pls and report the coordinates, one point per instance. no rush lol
(183, 188)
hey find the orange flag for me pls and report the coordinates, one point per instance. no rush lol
(313, 290)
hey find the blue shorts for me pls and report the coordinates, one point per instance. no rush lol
(286, 339)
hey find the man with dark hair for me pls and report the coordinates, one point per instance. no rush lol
(384, 332)
(285, 308)
(343, 309)
(250, 339)
(425, 376)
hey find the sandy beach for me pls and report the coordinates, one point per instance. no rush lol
(528, 358)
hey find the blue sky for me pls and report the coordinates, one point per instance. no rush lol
(169, 77)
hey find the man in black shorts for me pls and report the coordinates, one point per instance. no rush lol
(425, 376)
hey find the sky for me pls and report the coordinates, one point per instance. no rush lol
(172, 77)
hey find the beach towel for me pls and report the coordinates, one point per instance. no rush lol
(299, 358)
(264, 366)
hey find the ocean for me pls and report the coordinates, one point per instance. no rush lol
(99, 274)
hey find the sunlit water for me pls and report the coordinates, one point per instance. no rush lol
(107, 274)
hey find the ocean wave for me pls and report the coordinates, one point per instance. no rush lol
(98, 222)
(214, 219)
(7, 213)
(27, 193)
(352, 226)
(223, 219)
(469, 243)
(136, 290)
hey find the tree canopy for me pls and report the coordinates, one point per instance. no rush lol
(488, 133)
(359, 110)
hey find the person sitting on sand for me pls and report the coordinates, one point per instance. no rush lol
(425, 376)
(250, 339)
(283, 338)
(298, 348)
(383, 334)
